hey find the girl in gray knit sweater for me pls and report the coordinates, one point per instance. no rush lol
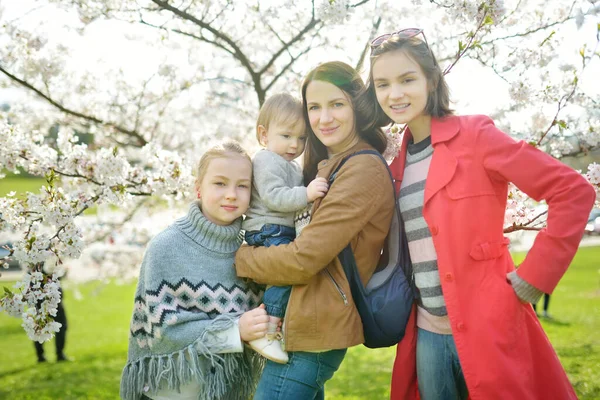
(191, 312)
(277, 194)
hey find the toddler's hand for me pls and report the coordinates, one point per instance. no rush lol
(317, 188)
(253, 324)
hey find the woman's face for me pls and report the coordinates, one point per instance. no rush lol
(224, 191)
(331, 116)
(400, 86)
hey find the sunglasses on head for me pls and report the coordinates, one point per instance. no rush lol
(402, 34)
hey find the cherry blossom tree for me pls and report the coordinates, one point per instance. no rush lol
(155, 82)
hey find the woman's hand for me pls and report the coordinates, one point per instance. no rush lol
(253, 324)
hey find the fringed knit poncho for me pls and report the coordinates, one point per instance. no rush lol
(188, 296)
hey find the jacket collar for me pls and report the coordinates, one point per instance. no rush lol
(442, 130)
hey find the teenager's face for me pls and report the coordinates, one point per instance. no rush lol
(224, 191)
(286, 140)
(331, 116)
(401, 87)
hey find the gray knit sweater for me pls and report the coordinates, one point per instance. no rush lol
(187, 296)
(277, 191)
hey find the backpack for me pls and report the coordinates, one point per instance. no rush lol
(385, 303)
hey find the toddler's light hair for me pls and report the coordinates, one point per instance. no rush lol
(281, 108)
(221, 150)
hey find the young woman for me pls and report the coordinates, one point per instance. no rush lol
(473, 332)
(192, 313)
(321, 320)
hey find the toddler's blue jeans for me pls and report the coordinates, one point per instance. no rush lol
(276, 297)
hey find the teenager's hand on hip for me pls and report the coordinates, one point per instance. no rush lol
(317, 188)
(253, 324)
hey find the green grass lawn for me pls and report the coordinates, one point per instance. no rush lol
(98, 328)
(23, 184)
(20, 184)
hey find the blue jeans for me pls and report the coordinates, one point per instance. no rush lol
(438, 368)
(302, 378)
(276, 297)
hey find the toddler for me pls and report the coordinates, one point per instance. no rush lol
(277, 193)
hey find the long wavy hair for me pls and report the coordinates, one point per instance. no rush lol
(349, 81)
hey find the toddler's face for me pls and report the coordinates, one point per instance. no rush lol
(224, 191)
(286, 140)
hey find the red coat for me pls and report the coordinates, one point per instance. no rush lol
(503, 350)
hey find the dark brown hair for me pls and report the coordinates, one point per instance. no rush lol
(438, 98)
(346, 79)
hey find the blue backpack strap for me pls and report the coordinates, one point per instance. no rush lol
(346, 253)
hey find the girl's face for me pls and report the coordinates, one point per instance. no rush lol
(331, 116)
(401, 87)
(224, 191)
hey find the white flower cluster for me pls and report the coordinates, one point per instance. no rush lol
(520, 92)
(593, 173)
(35, 300)
(334, 11)
(77, 179)
(520, 209)
(471, 11)
(560, 146)
(394, 135)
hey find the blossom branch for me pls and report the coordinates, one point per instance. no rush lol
(139, 139)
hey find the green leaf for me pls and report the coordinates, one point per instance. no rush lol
(115, 151)
(7, 291)
(461, 46)
(488, 20)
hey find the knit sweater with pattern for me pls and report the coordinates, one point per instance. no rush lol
(187, 303)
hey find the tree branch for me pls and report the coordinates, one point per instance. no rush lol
(191, 35)
(374, 29)
(132, 133)
(237, 51)
(287, 66)
(527, 33)
(561, 104)
(515, 228)
(286, 45)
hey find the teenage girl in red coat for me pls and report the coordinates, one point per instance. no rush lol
(473, 333)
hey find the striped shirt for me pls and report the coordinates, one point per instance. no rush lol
(432, 314)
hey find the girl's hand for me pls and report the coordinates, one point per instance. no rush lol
(253, 324)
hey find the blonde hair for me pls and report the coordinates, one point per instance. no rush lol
(281, 108)
(221, 150)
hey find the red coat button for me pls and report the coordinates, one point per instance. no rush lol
(460, 326)
(434, 230)
(449, 277)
